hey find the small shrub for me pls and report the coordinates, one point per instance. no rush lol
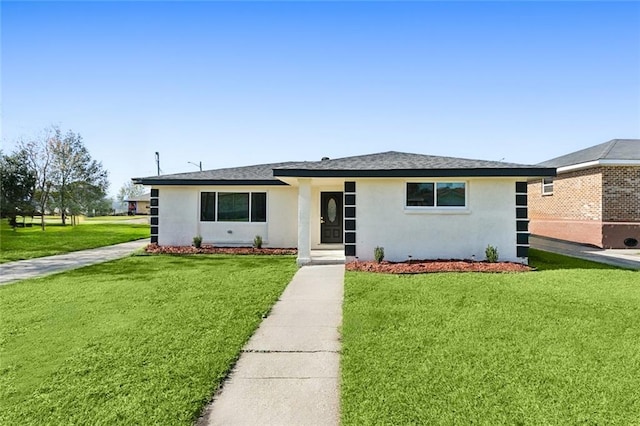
(378, 254)
(197, 241)
(491, 253)
(257, 242)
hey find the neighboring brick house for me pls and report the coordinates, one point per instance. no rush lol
(594, 199)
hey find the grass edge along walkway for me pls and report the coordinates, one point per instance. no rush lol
(556, 346)
(145, 339)
(31, 243)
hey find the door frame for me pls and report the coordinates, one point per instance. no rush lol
(340, 214)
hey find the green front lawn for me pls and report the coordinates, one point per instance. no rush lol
(557, 346)
(142, 340)
(29, 243)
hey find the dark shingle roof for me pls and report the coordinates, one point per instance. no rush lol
(393, 160)
(398, 164)
(384, 164)
(261, 174)
(616, 149)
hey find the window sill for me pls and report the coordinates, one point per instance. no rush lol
(437, 210)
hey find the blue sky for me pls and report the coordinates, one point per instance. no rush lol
(239, 83)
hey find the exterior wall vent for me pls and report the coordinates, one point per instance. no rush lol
(630, 242)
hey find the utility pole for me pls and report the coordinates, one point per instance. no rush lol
(158, 162)
(197, 165)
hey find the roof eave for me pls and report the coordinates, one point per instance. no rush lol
(398, 173)
(597, 163)
(210, 182)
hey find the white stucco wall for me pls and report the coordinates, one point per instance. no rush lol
(383, 220)
(179, 217)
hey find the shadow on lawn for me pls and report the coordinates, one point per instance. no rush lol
(546, 261)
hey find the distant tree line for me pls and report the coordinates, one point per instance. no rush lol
(52, 173)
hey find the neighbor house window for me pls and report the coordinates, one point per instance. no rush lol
(436, 194)
(233, 206)
(547, 186)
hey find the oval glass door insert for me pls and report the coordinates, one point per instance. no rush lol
(332, 210)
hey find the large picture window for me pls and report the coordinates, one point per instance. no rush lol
(233, 206)
(436, 194)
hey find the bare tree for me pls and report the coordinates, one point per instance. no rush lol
(130, 190)
(39, 158)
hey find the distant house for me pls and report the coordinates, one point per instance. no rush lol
(595, 198)
(412, 205)
(139, 205)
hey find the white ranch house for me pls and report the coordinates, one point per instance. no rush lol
(422, 206)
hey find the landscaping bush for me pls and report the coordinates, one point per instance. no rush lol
(257, 242)
(491, 254)
(197, 241)
(378, 254)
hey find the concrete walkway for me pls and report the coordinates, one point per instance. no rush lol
(624, 258)
(288, 373)
(32, 268)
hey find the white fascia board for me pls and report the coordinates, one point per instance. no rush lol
(596, 163)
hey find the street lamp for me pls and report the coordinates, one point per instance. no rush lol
(197, 165)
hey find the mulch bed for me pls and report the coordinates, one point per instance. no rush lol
(207, 249)
(385, 267)
(430, 266)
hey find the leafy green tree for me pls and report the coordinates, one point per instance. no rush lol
(17, 186)
(77, 180)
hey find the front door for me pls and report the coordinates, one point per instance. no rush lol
(331, 217)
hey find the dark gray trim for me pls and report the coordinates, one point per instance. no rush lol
(154, 220)
(524, 172)
(154, 230)
(154, 192)
(522, 238)
(521, 212)
(154, 239)
(522, 251)
(521, 187)
(154, 202)
(218, 182)
(350, 223)
(350, 199)
(521, 200)
(154, 211)
(522, 225)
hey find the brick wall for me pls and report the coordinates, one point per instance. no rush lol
(621, 194)
(576, 196)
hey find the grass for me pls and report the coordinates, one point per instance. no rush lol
(29, 243)
(556, 346)
(142, 340)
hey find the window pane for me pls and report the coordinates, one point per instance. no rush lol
(233, 206)
(419, 194)
(451, 194)
(208, 206)
(258, 207)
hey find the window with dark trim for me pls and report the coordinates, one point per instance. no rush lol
(547, 186)
(233, 206)
(207, 206)
(436, 194)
